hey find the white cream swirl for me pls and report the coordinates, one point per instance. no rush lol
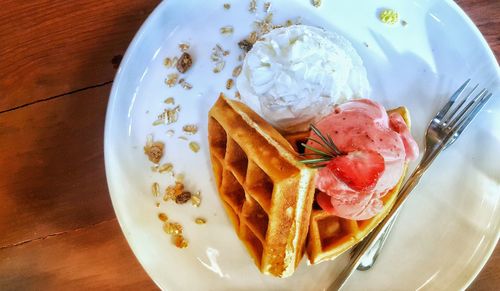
(293, 75)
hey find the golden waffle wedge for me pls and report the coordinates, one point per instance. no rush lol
(330, 235)
(265, 189)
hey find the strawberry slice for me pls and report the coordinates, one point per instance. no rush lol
(360, 170)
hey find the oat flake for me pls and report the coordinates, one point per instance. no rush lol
(219, 67)
(196, 199)
(172, 228)
(226, 30)
(168, 62)
(162, 216)
(237, 71)
(252, 7)
(172, 79)
(169, 100)
(190, 128)
(172, 114)
(166, 168)
(179, 241)
(155, 189)
(316, 3)
(185, 84)
(229, 84)
(200, 220)
(194, 146)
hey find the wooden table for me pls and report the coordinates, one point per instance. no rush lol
(57, 63)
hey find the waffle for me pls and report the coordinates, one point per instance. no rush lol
(330, 235)
(266, 191)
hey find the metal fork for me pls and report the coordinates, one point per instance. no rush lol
(369, 258)
(443, 130)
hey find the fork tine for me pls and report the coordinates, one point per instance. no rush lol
(464, 112)
(473, 112)
(453, 97)
(465, 122)
(448, 116)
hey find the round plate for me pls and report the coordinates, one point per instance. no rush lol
(445, 232)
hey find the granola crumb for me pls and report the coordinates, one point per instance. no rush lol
(217, 56)
(316, 3)
(172, 228)
(184, 63)
(157, 204)
(194, 146)
(154, 151)
(166, 168)
(173, 191)
(183, 197)
(227, 6)
(245, 45)
(155, 189)
(252, 7)
(169, 100)
(174, 61)
(172, 114)
(196, 199)
(200, 220)
(168, 62)
(226, 30)
(185, 85)
(219, 67)
(237, 95)
(184, 47)
(229, 84)
(171, 79)
(158, 122)
(190, 128)
(179, 241)
(162, 216)
(237, 71)
(267, 7)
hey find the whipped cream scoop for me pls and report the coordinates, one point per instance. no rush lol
(294, 75)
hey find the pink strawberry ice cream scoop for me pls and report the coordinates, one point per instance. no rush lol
(374, 146)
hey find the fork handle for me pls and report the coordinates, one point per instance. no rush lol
(369, 259)
(372, 238)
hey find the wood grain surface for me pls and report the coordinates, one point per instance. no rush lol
(55, 179)
(57, 60)
(486, 16)
(95, 257)
(52, 47)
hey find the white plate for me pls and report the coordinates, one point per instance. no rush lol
(445, 233)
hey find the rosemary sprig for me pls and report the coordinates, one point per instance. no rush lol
(327, 141)
(314, 161)
(319, 152)
(328, 152)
